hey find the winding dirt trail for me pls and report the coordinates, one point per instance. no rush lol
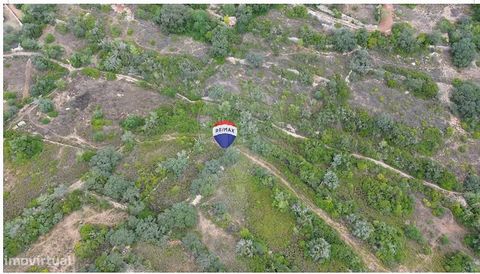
(453, 194)
(369, 259)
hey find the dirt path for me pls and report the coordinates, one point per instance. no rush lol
(60, 144)
(386, 22)
(217, 240)
(453, 194)
(325, 15)
(184, 98)
(293, 134)
(61, 240)
(11, 8)
(369, 259)
(28, 79)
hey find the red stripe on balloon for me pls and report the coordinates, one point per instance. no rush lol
(224, 122)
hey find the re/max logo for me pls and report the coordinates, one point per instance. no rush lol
(224, 130)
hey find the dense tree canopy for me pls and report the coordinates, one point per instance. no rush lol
(343, 40)
(466, 99)
(173, 18)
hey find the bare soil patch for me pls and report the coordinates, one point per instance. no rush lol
(14, 74)
(171, 258)
(148, 35)
(433, 228)
(373, 96)
(10, 17)
(60, 241)
(386, 21)
(363, 13)
(117, 99)
(425, 17)
(217, 241)
(68, 41)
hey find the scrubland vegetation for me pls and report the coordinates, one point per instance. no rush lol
(382, 183)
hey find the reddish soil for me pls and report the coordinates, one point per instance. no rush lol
(386, 22)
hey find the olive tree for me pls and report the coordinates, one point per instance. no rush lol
(173, 18)
(403, 36)
(361, 62)
(105, 161)
(220, 41)
(472, 183)
(318, 249)
(245, 248)
(463, 52)
(330, 179)
(176, 165)
(343, 40)
(45, 105)
(254, 59)
(466, 100)
(121, 237)
(179, 216)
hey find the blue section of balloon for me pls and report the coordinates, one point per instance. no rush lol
(224, 140)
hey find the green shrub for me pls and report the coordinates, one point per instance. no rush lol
(61, 28)
(53, 51)
(79, 59)
(432, 140)
(173, 18)
(339, 88)
(420, 83)
(444, 240)
(254, 59)
(179, 216)
(220, 42)
(87, 156)
(45, 105)
(413, 233)
(388, 243)
(115, 31)
(297, 11)
(318, 249)
(29, 44)
(92, 237)
(176, 165)
(472, 183)
(244, 15)
(132, 122)
(228, 9)
(91, 72)
(466, 100)
(343, 40)
(458, 262)
(49, 38)
(45, 211)
(385, 197)
(110, 262)
(473, 241)
(463, 52)
(25, 147)
(403, 36)
(11, 38)
(360, 62)
(105, 161)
